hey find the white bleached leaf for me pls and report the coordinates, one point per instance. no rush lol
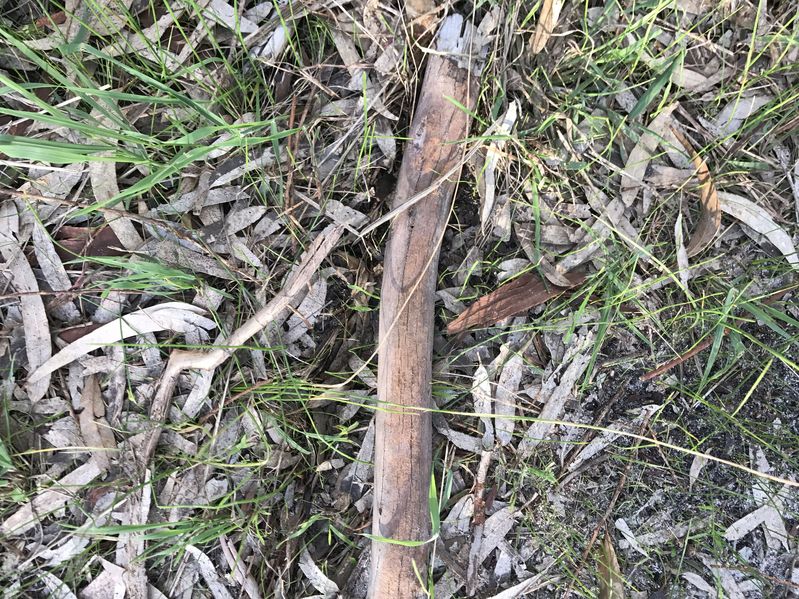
(101, 17)
(273, 47)
(69, 546)
(38, 348)
(266, 159)
(56, 183)
(130, 545)
(242, 217)
(247, 117)
(344, 215)
(733, 115)
(96, 432)
(50, 500)
(457, 438)
(54, 273)
(638, 160)
(239, 570)
(699, 583)
(316, 577)
(173, 316)
(766, 515)
(556, 390)
(525, 587)
(614, 430)
(681, 76)
(307, 313)
(505, 398)
(483, 402)
(103, 177)
(726, 577)
(697, 465)
(228, 16)
(682, 254)
(259, 12)
(355, 477)
(495, 529)
(494, 153)
(758, 219)
(108, 584)
(629, 536)
(693, 80)
(365, 374)
(56, 588)
(64, 433)
(214, 581)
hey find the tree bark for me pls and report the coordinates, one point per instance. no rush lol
(403, 432)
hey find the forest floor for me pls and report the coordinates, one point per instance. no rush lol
(620, 259)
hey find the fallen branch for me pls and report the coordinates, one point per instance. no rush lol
(403, 430)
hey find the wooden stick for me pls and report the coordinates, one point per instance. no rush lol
(403, 432)
(181, 360)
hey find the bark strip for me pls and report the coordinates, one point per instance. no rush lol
(403, 433)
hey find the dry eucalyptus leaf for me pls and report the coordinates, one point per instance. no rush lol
(273, 47)
(50, 500)
(611, 583)
(56, 588)
(733, 115)
(54, 273)
(547, 21)
(131, 545)
(38, 348)
(681, 76)
(64, 433)
(767, 516)
(215, 582)
(697, 465)
(103, 177)
(495, 529)
(758, 219)
(699, 583)
(683, 267)
(56, 183)
(108, 584)
(505, 398)
(710, 219)
(74, 542)
(629, 536)
(101, 17)
(483, 401)
(355, 478)
(240, 572)
(486, 183)
(316, 577)
(307, 313)
(344, 215)
(457, 438)
(228, 16)
(557, 389)
(173, 316)
(512, 299)
(96, 432)
(638, 160)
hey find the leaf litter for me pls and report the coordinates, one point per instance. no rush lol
(540, 346)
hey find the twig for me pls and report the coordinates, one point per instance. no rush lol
(603, 521)
(768, 300)
(478, 519)
(183, 360)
